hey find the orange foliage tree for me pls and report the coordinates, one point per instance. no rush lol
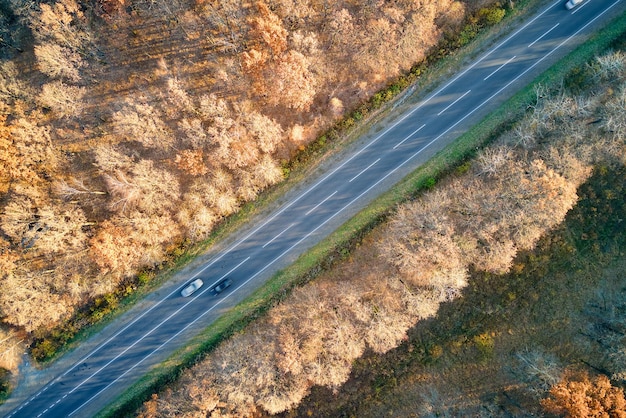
(578, 395)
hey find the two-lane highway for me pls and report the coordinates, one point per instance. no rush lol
(153, 330)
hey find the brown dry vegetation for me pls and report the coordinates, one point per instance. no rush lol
(515, 192)
(129, 127)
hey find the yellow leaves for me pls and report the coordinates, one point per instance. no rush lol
(144, 187)
(11, 349)
(140, 121)
(123, 244)
(61, 22)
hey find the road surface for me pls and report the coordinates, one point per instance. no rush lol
(87, 379)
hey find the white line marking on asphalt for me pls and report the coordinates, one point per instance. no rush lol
(350, 203)
(272, 240)
(519, 76)
(500, 67)
(364, 170)
(453, 103)
(408, 136)
(164, 343)
(580, 7)
(541, 37)
(320, 203)
(144, 336)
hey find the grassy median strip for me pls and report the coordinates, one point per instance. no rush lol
(339, 244)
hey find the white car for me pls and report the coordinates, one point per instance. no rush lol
(572, 3)
(192, 287)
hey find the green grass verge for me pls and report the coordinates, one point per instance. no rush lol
(338, 245)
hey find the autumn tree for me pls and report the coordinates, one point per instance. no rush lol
(141, 122)
(191, 162)
(144, 187)
(63, 23)
(268, 33)
(58, 62)
(73, 187)
(28, 151)
(123, 244)
(11, 349)
(195, 213)
(578, 395)
(537, 369)
(63, 99)
(32, 222)
(109, 8)
(26, 300)
(12, 86)
(194, 133)
(264, 131)
(288, 81)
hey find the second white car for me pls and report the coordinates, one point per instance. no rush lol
(572, 3)
(192, 287)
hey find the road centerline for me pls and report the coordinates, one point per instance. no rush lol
(279, 234)
(363, 171)
(409, 136)
(320, 203)
(500, 67)
(544, 34)
(319, 192)
(149, 332)
(453, 103)
(580, 7)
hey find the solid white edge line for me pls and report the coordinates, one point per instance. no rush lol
(213, 261)
(147, 334)
(332, 172)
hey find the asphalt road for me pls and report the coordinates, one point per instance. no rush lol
(91, 376)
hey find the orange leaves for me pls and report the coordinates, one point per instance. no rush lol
(268, 29)
(578, 395)
(140, 121)
(57, 61)
(192, 162)
(289, 82)
(122, 245)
